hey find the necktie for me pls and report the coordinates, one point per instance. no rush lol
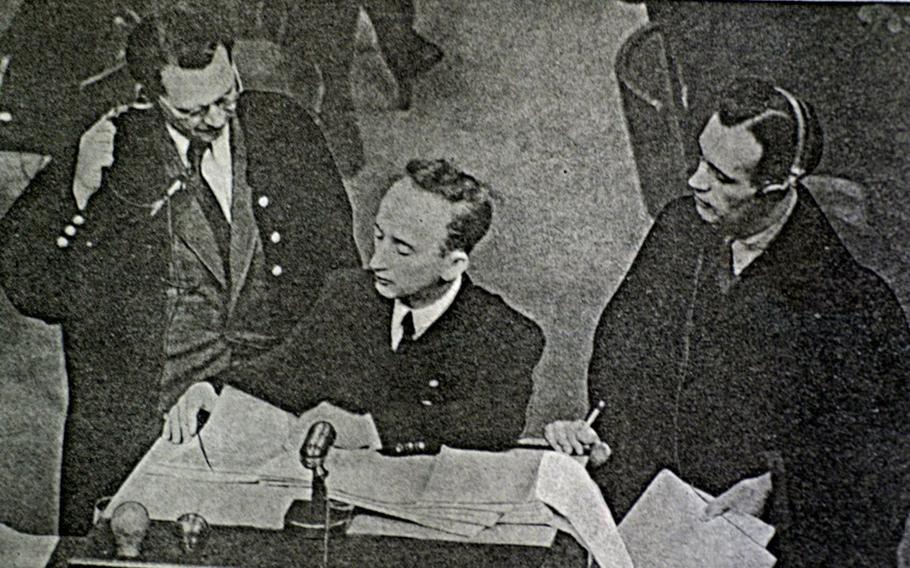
(209, 203)
(407, 332)
(407, 327)
(719, 265)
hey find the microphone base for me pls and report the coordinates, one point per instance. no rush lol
(307, 518)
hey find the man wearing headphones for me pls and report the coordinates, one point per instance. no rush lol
(749, 353)
(209, 237)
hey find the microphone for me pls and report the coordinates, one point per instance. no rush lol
(319, 439)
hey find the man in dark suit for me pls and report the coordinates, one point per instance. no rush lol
(207, 240)
(746, 350)
(433, 357)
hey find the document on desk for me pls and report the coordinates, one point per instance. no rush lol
(665, 528)
(520, 535)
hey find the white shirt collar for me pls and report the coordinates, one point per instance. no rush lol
(217, 168)
(746, 250)
(423, 317)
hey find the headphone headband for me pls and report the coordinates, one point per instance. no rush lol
(796, 168)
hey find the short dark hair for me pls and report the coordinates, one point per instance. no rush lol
(184, 34)
(474, 208)
(747, 99)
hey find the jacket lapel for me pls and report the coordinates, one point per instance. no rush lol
(244, 232)
(192, 227)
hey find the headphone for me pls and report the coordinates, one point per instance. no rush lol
(797, 171)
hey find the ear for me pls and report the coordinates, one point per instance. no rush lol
(457, 262)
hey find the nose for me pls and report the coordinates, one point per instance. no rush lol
(377, 260)
(215, 117)
(700, 180)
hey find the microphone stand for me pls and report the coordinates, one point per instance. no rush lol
(316, 445)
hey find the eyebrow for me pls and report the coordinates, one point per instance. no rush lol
(398, 241)
(723, 174)
(235, 89)
(395, 239)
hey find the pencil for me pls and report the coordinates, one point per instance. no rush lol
(595, 413)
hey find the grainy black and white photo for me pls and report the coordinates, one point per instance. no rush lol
(549, 283)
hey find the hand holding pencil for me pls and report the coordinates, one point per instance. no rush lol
(579, 437)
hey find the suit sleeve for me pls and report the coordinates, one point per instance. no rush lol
(36, 271)
(844, 470)
(633, 364)
(292, 376)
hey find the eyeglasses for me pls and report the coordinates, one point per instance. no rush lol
(227, 104)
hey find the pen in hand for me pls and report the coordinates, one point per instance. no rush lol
(595, 413)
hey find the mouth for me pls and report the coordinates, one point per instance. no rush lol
(380, 280)
(702, 202)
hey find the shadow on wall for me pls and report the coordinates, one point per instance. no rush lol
(32, 395)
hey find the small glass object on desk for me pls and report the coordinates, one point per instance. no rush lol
(193, 531)
(129, 523)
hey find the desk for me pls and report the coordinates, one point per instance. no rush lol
(267, 549)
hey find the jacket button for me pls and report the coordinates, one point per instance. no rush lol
(63, 242)
(78, 220)
(263, 201)
(399, 449)
(433, 383)
(277, 270)
(275, 237)
(426, 402)
(69, 231)
(421, 446)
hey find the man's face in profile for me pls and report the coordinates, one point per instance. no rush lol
(724, 193)
(200, 102)
(408, 261)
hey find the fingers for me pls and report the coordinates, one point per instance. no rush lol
(171, 430)
(166, 428)
(554, 434)
(716, 508)
(570, 437)
(747, 496)
(186, 409)
(176, 426)
(600, 453)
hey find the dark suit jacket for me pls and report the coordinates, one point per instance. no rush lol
(799, 369)
(108, 287)
(481, 353)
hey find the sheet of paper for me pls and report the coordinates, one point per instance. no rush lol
(447, 525)
(468, 476)
(353, 431)
(756, 529)
(20, 550)
(223, 499)
(536, 513)
(564, 485)
(243, 432)
(524, 535)
(664, 528)
(373, 476)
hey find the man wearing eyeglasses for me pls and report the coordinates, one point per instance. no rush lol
(207, 240)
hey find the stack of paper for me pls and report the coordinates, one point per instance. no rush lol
(461, 496)
(244, 470)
